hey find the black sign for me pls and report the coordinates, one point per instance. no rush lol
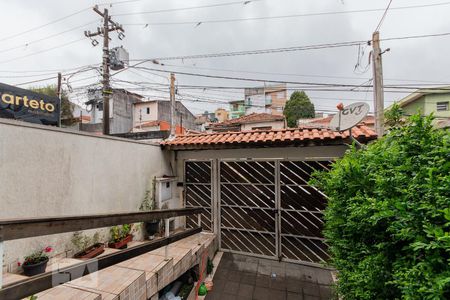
(25, 105)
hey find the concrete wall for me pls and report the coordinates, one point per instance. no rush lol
(46, 171)
(253, 126)
(140, 112)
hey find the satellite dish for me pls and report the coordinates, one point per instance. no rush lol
(349, 116)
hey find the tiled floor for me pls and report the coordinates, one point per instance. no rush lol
(244, 277)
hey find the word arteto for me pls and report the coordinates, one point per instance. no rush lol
(32, 103)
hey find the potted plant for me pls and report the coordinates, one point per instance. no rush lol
(87, 247)
(149, 204)
(120, 236)
(36, 262)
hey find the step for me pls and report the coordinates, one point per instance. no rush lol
(67, 293)
(115, 282)
(158, 271)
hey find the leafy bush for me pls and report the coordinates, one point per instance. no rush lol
(388, 216)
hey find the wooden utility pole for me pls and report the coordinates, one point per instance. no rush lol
(173, 123)
(58, 94)
(378, 90)
(106, 88)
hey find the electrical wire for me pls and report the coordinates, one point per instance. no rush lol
(42, 51)
(196, 22)
(384, 16)
(186, 8)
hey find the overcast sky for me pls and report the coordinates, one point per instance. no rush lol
(409, 62)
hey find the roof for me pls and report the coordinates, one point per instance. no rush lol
(422, 92)
(149, 124)
(251, 118)
(268, 138)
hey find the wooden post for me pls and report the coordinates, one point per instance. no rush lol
(173, 122)
(58, 94)
(378, 92)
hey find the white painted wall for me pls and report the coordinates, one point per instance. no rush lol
(140, 111)
(46, 171)
(273, 124)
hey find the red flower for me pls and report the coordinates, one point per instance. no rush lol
(19, 264)
(48, 249)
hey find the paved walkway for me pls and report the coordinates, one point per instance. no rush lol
(244, 277)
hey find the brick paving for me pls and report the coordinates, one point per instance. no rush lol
(244, 277)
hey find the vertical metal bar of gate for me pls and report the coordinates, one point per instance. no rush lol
(277, 208)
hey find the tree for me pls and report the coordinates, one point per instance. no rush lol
(66, 106)
(298, 107)
(387, 223)
(394, 117)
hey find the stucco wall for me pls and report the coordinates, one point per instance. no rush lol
(45, 171)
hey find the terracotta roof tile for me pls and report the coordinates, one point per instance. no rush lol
(280, 137)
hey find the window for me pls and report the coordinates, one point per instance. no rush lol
(262, 128)
(148, 110)
(442, 106)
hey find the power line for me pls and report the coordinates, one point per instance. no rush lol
(42, 51)
(384, 16)
(47, 37)
(300, 75)
(308, 84)
(201, 22)
(44, 25)
(186, 8)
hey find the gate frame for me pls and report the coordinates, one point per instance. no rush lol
(277, 183)
(213, 175)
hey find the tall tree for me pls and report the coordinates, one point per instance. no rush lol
(66, 106)
(298, 107)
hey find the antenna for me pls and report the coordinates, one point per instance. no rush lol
(349, 117)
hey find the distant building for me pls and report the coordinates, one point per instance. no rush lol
(237, 109)
(269, 99)
(429, 101)
(254, 121)
(221, 115)
(158, 112)
(120, 110)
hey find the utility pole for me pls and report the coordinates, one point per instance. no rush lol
(378, 90)
(106, 88)
(172, 106)
(58, 94)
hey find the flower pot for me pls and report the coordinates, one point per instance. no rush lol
(90, 252)
(34, 269)
(152, 227)
(121, 244)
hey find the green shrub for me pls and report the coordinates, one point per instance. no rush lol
(388, 217)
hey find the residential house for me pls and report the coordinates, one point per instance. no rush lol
(221, 114)
(120, 110)
(156, 115)
(254, 121)
(237, 109)
(269, 99)
(429, 101)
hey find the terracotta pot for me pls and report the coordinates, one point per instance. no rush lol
(121, 244)
(90, 252)
(34, 269)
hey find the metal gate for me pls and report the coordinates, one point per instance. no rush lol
(198, 192)
(268, 209)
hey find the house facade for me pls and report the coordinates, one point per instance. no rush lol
(428, 101)
(269, 99)
(253, 121)
(237, 109)
(120, 110)
(149, 112)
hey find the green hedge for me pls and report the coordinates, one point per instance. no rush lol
(388, 217)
